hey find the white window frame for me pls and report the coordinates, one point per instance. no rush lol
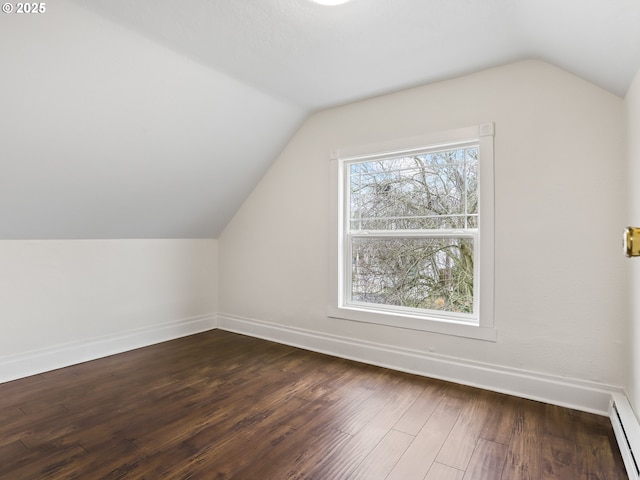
(481, 324)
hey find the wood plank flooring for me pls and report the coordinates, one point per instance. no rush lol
(224, 406)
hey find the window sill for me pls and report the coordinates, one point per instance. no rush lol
(457, 329)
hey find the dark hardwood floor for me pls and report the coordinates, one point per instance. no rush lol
(220, 405)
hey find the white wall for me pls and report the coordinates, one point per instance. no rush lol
(559, 174)
(65, 301)
(632, 101)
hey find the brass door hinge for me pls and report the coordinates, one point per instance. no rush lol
(631, 241)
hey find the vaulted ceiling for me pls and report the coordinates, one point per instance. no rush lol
(315, 56)
(156, 118)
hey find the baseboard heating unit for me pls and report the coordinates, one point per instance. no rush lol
(627, 431)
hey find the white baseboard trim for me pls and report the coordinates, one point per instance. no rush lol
(31, 363)
(571, 393)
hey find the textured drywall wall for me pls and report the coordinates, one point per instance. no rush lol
(559, 193)
(55, 293)
(632, 101)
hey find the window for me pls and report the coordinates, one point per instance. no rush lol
(414, 233)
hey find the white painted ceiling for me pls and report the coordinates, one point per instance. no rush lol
(317, 56)
(156, 118)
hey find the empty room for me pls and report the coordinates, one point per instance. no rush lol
(305, 239)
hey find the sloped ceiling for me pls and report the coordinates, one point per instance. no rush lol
(106, 134)
(156, 118)
(317, 56)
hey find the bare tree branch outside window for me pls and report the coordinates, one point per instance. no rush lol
(406, 218)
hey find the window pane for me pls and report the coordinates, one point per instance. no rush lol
(427, 191)
(429, 273)
(472, 180)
